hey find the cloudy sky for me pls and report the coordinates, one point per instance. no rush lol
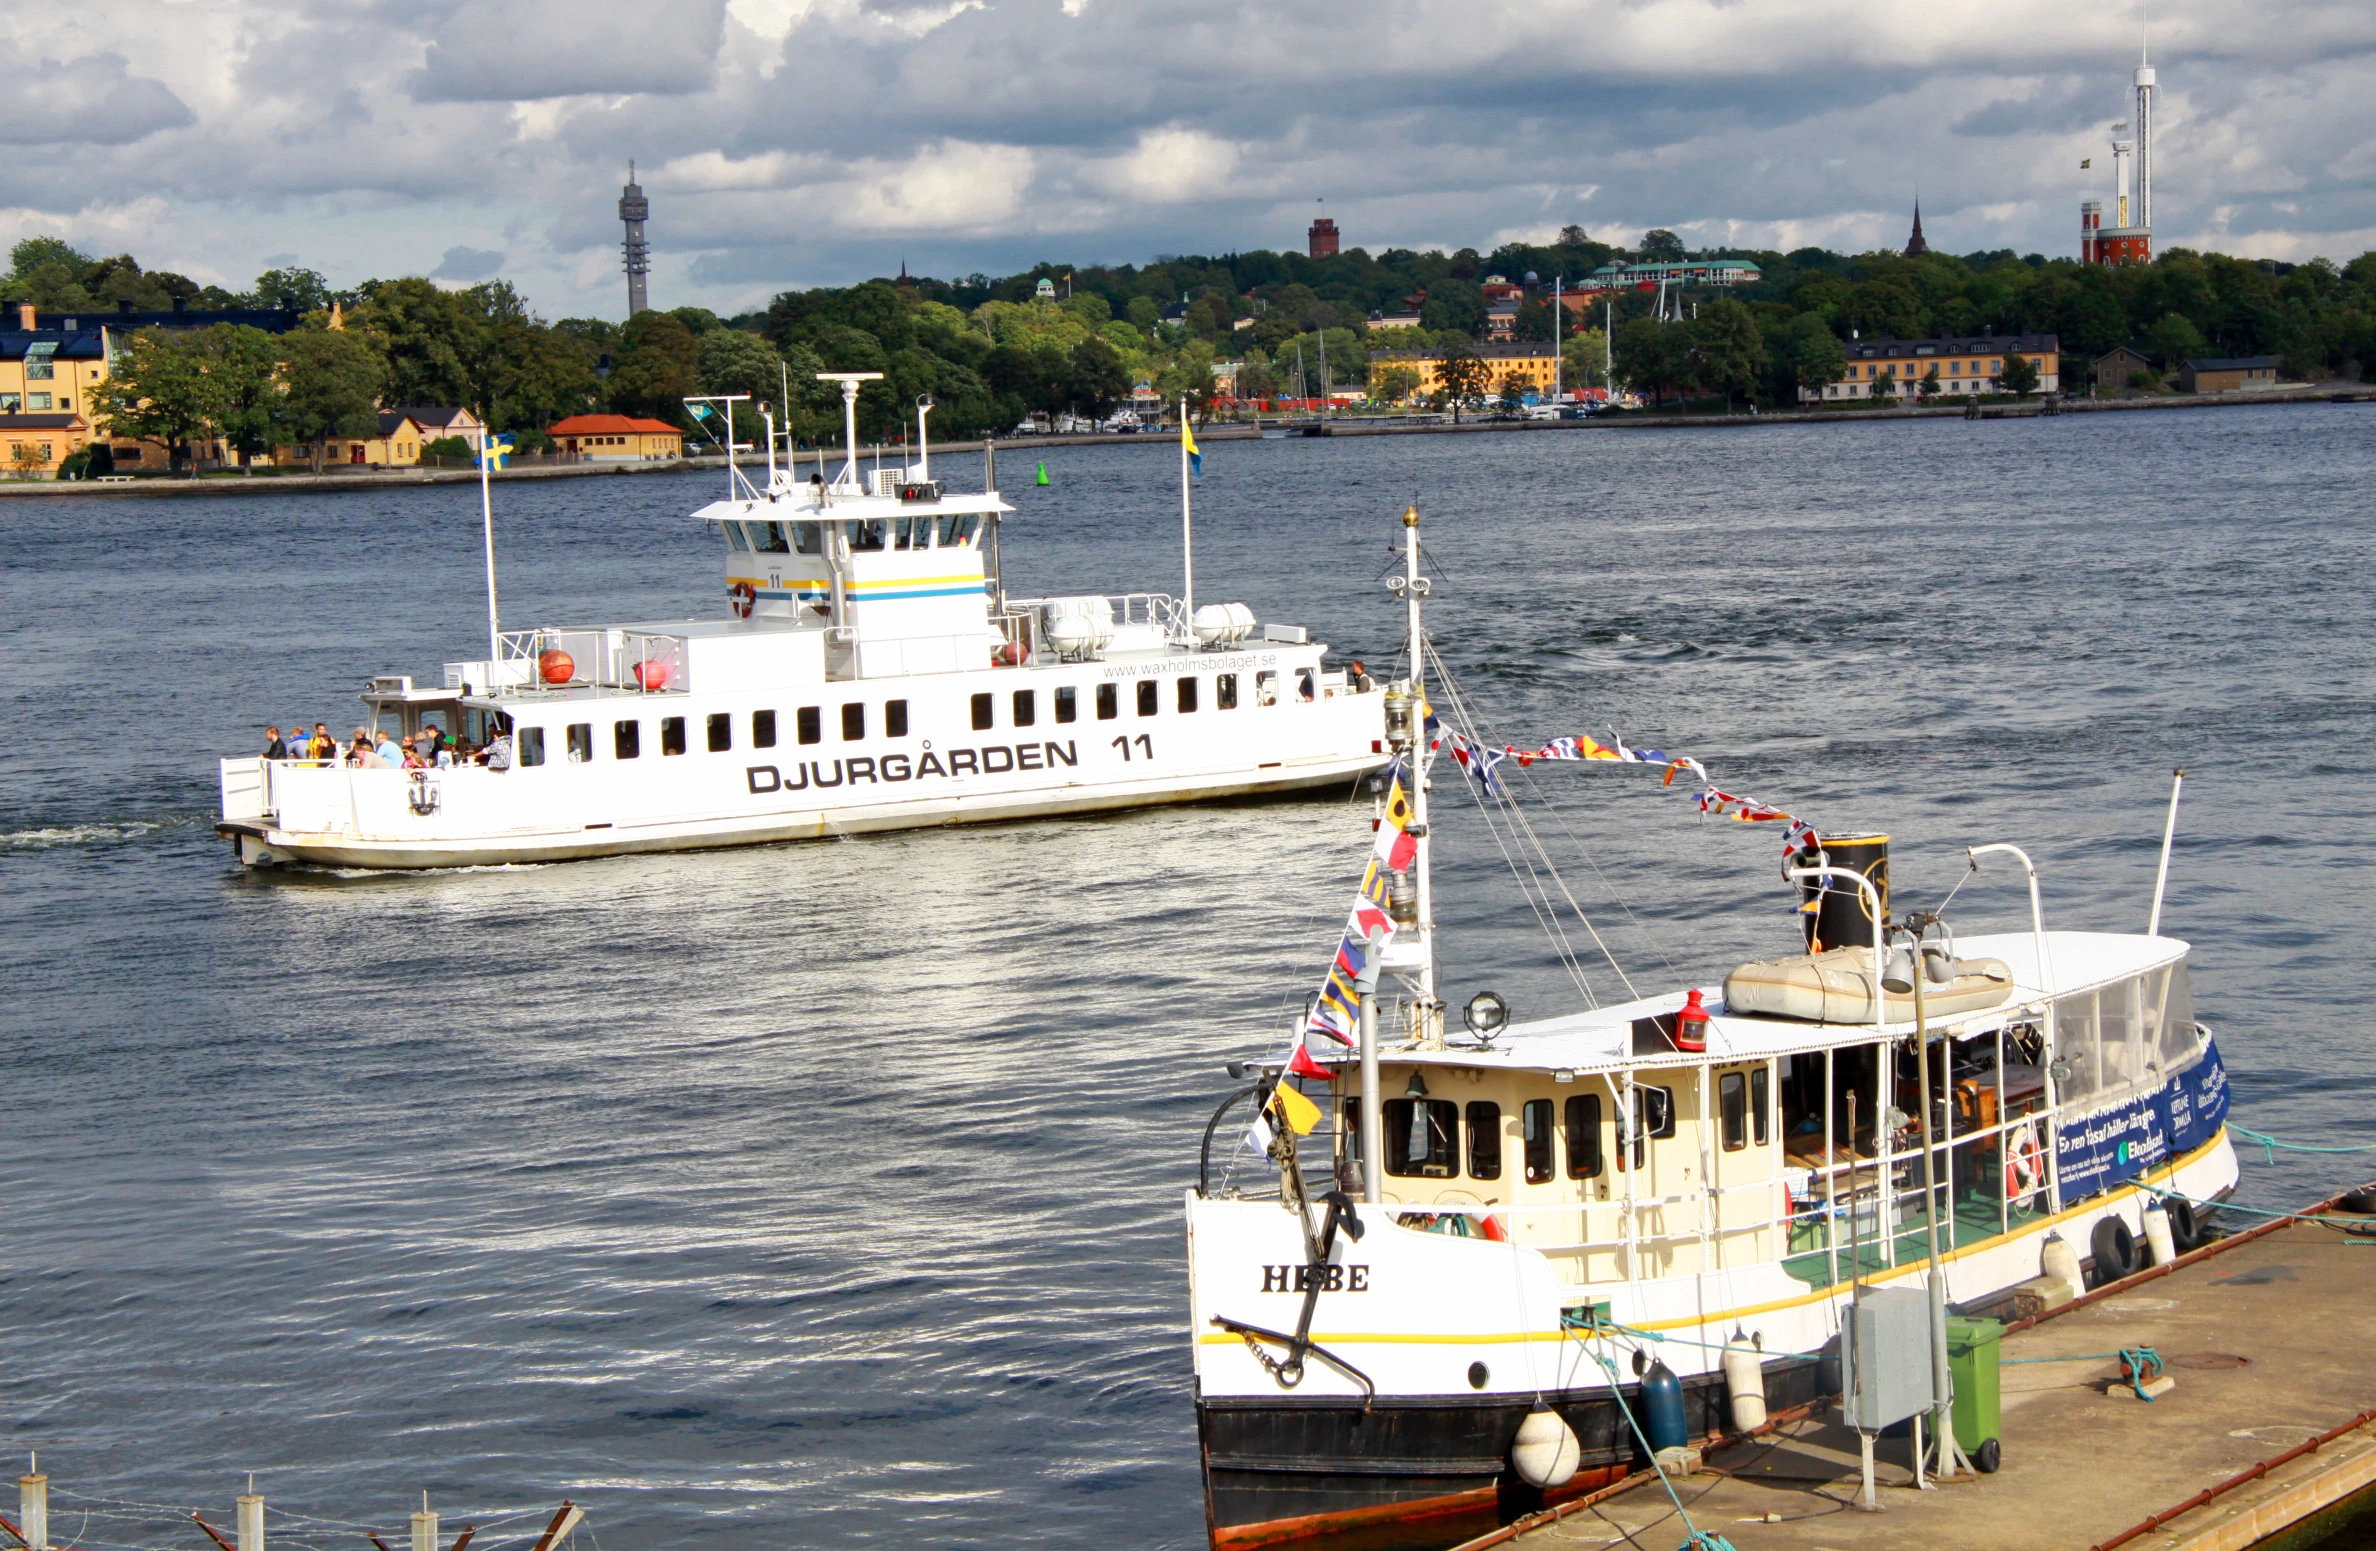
(807, 142)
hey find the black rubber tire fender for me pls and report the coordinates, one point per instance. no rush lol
(2115, 1250)
(2186, 1227)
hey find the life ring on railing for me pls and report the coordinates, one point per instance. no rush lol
(1493, 1226)
(746, 598)
(1011, 655)
(2025, 1165)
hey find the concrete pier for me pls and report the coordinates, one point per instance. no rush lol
(2268, 1438)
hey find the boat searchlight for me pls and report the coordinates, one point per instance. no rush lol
(1486, 1014)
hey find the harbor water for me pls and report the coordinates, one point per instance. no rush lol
(829, 1195)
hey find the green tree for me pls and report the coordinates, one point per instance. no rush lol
(1514, 389)
(1655, 357)
(160, 390)
(1465, 376)
(1095, 378)
(1928, 387)
(1390, 382)
(298, 290)
(1660, 246)
(1882, 390)
(1585, 359)
(2020, 376)
(1813, 356)
(244, 362)
(2173, 339)
(420, 334)
(330, 381)
(1728, 348)
(657, 368)
(731, 360)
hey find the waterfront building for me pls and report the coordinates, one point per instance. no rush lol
(2113, 369)
(33, 445)
(437, 423)
(395, 443)
(2230, 374)
(617, 438)
(1897, 368)
(1322, 238)
(1534, 362)
(1679, 272)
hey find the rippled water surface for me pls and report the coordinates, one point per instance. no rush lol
(829, 1195)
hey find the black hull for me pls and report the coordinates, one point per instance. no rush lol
(1288, 1469)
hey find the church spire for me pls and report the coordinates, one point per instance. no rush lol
(1915, 246)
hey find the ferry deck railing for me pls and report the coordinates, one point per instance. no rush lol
(632, 661)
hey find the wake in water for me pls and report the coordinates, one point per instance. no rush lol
(78, 835)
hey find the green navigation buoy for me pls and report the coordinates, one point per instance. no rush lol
(1043, 475)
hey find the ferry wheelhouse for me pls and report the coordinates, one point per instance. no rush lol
(1552, 1204)
(870, 672)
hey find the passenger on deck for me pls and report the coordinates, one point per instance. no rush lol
(273, 747)
(323, 746)
(390, 755)
(498, 753)
(412, 757)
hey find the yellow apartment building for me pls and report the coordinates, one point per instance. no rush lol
(1896, 368)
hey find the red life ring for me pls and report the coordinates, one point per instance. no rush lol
(2025, 1165)
(746, 598)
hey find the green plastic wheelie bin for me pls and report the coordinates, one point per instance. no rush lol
(1972, 1362)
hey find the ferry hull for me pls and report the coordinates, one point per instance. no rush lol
(260, 843)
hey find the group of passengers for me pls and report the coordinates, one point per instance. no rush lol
(433, 749)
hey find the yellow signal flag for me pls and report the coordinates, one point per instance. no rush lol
(1300, 1113)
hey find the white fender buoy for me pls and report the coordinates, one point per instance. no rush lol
(2157, 1233)
(1744, 1381)
(2057, 1259)
(1546, 1453)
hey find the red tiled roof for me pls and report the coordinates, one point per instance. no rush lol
(611, 425)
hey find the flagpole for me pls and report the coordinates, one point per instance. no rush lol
(487, 521)
(1187, 535)
(1431, 1028)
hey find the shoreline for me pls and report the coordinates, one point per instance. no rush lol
(294, 484)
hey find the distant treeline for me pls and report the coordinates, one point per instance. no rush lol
(988, 352)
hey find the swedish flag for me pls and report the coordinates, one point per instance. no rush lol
(1188, 442)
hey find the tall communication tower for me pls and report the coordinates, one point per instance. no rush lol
(2144, 122)
(634, 209)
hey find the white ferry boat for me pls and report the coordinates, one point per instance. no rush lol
(870, 673)
(1565, 1213)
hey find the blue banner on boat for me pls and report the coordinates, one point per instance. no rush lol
(2116, 1145)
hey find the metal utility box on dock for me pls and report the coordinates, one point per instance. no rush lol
(1885, 1359)
(2270, 1431)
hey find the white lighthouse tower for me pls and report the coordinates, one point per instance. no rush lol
(2144, 123)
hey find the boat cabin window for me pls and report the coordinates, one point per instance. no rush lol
(866, 534)
(1187, 693)
(763, 729)
(1534, 1126)
(626, 739)
(1146, 697)
(808, 538)
(911, 532)
(531, 745)
(808, 725)
(672, 735)
(1484, 1140)
(1026, 707)
(956, 532)
(1584, 1136)
(581, 743)
(721, 731)
(853, 721)
(2124, 1037)
(1761, 1103)
(981, 713)
(894, 718)
(1224, 691)
(1422, 1138)
(1109, 702)
(1266, 687)
(1305, 686)
(768, 538)
(1732, 1109)
(1654, 1120)
(1068, 703)
(734, 535)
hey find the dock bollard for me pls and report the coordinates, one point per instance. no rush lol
(424, 1527)
(2157, 1233)
(251, 1519)
(33, 1506)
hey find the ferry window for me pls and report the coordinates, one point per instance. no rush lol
(768, 538)
(763, 729)
(1732, 1110)
(581, 742)
(1584, 1136)
(894, 718)
(807, 725)
(1146, 697)
(806, 538)
(853, 721)
(672, 735)
(1109, 703)
(1303, 685)
(1068, 703)
(734, 535)
(721, 731)
(1026, 707)
(867, 534)
(1350, 1128)
(956, 532)
(1484, 1140)
(911, 532)
(531, 741)
(1266, 687)
(626, 739)
(1654, 1119)
(1534, 1128)
(1187, 693)
(1422, 1137)
(1761, 1099)
(1224, 691)
(981, 713)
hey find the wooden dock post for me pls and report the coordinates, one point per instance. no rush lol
(33, 1506)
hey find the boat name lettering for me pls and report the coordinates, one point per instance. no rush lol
(995, 759)
(1232, 660)
(1295, 1278)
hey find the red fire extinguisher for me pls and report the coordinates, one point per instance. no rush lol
(1691, 1026)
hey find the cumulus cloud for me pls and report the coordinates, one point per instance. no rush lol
(95, 99)
(467, 265)
(525, 50)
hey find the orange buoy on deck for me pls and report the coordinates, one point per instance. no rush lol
(651, 676)
(555, 666)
